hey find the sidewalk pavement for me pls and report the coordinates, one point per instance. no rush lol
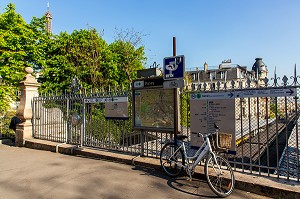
(262, 185)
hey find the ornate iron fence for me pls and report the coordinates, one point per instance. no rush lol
(267, 127)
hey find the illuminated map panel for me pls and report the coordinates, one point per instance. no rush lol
(154, 108)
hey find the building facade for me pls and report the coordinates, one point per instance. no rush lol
(227, 71)
(234, 76)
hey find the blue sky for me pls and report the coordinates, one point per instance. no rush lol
(205, 30)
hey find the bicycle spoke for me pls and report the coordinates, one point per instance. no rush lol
(171, 159)
(219, 176)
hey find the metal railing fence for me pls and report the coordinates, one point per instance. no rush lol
(267, 128)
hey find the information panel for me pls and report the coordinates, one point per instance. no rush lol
(204, 113)
(116, 110)
(154, 108)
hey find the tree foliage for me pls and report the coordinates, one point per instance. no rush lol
(21, 45)
(129, 54)
(86, 55)
(82, 53)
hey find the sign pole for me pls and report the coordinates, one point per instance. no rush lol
(174, 46)
(176, 100)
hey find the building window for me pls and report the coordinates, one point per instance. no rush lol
(195, 77)
(213, 75)
(222, 73)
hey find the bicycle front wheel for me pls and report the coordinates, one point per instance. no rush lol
(219, 176)
(172, 159)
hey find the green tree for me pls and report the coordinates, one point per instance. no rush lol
(57, 70)
(21, 45)
(86, 54)
(274, 111)
(129, 55)
(83, 53)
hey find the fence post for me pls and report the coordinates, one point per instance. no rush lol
(83, 126)
(29, 90)
(142, 142)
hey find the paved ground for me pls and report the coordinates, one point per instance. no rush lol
(27, 173)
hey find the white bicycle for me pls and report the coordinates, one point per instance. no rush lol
(219, 174)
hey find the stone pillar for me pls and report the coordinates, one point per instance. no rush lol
(29, 89)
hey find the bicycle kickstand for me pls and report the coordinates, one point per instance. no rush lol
(189, 172)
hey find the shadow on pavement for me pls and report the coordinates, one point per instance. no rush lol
(193, 188)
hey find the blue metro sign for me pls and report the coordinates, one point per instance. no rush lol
(174, 67)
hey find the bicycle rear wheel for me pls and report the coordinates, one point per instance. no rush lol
(221, 181)
(171, 159)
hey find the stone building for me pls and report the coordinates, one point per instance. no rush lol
(214, 78)
(227, 72)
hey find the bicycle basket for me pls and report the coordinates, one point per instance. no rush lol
(224, 140)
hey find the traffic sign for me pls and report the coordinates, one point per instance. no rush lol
(174, 67)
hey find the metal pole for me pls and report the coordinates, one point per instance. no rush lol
(297, 122)
(142, 142)
(83, 126)
(176, 116)
(286, 138)
(174, 46)
(33, 116)
(68, 121)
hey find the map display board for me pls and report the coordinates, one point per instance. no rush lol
(154, 108)
(204, 113)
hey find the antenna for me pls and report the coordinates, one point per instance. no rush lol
(48, 5)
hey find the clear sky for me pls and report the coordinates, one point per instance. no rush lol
(206, 30)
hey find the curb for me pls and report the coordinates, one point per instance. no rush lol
(270, 187)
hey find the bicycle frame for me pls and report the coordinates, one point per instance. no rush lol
(200, 154)
(217, 169)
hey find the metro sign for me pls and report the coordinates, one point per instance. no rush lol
(174, 67)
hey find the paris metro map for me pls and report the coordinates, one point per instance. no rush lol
(154, 108)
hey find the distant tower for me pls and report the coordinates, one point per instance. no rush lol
(48, 16)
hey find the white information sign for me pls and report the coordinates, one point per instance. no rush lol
(206, 113)
(276, 92)
(106, 99)
(115, 107)
(116, 110)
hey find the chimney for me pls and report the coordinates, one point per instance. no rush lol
(205, 67)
